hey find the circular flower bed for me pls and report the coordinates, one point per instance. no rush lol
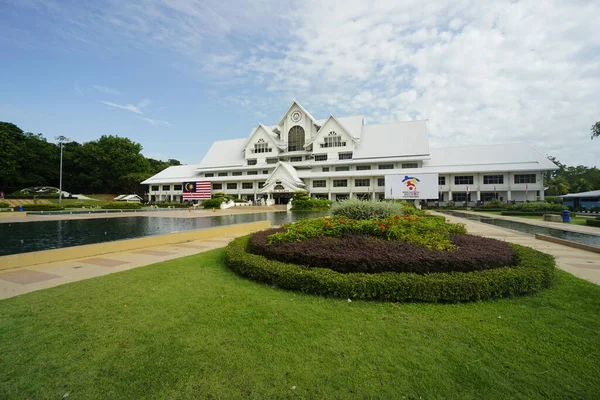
(362, 253)
(398, 258)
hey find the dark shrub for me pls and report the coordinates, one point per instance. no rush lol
(42, 207)
(534, 272)
(592, 222)
(121, 205)
(3, 204)
(361, 253)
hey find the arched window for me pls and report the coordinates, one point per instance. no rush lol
(296, 138)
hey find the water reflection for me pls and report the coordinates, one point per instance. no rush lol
(33, 236)
(591, 240)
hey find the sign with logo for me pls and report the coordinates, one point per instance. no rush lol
(411, 187)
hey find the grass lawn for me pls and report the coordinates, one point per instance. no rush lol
(574, 220)
(189, 328)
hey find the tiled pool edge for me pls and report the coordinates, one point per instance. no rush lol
(569, 243)
(88, 250)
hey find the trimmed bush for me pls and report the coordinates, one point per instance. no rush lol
(592, 222)
(361, 253)
(430, 232)
(4, 205)
(534, 272)
(121, 205)
(240, 201)
(534, 213)
(361, 209)
(213, 203)
(172, 204)
(42, 207)
(311, 204)
(537, 206)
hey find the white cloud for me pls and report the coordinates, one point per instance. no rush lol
(138, 109)
(480, 72)
(156, 122)
(106, 90)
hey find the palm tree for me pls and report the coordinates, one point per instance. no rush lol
(557, 186)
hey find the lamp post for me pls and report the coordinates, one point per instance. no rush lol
(61, 141)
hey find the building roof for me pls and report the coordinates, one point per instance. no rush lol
(593, 193)
(301, 108)
(389, 140)
(354, 125)
(491, 157)
(125, 197)
(224, 153)
(179, 173)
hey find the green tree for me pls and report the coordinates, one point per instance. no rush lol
(596, 130)
(557, 186)
(581, 185)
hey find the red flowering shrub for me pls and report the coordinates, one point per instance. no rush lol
(361, 253)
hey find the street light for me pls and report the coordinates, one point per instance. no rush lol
(61, 141)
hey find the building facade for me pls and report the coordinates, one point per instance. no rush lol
(340, 158)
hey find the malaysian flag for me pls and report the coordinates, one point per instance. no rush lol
(196, 190)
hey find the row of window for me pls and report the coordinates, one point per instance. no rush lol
(489, 179)
(363, 182)
(235, 173)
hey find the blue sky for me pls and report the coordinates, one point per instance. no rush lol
(176, 75)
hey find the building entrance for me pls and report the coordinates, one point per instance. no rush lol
(282, 198)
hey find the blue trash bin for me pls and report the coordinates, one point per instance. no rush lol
(20, 208)
(566, 216)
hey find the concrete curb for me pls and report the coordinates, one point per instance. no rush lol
(568, 243)
(88, 250)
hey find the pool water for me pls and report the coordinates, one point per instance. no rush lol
(25, 237)
(589, 239)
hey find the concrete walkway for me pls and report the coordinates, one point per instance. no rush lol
(581, 263)
(14, 282)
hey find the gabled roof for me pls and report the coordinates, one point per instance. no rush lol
(393, 140)
(300, 107)
(224, 153)
(326, 121)
(272, 136)
(354, 125)
(289, 170)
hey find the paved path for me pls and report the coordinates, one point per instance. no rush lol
(581, 263)
(14, 282)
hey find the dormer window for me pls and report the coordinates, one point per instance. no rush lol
(261, 147)
(333, 140)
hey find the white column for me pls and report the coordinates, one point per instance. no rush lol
(478, 195)
(542, 193)
(508, 195)
(450, 195)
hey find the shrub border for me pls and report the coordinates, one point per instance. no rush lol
(534, 272)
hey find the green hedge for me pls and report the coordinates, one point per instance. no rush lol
(213, 203)
(121, 205)
(172, 205)
(35, 196)
(538, 206)
(3, 205)
(528, 213)
(311, 204)
(592, 222)
(489, 209)
(534, 272)
(41, 207)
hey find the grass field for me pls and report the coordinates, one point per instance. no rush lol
(189, 329)
(99, 200)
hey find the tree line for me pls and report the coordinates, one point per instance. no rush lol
(111, 164)
(571, 179)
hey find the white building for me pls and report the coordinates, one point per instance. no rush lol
(338, 158)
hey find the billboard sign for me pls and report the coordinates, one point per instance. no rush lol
(411, 187)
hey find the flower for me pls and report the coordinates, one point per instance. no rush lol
(382, 227)
(396, 216)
